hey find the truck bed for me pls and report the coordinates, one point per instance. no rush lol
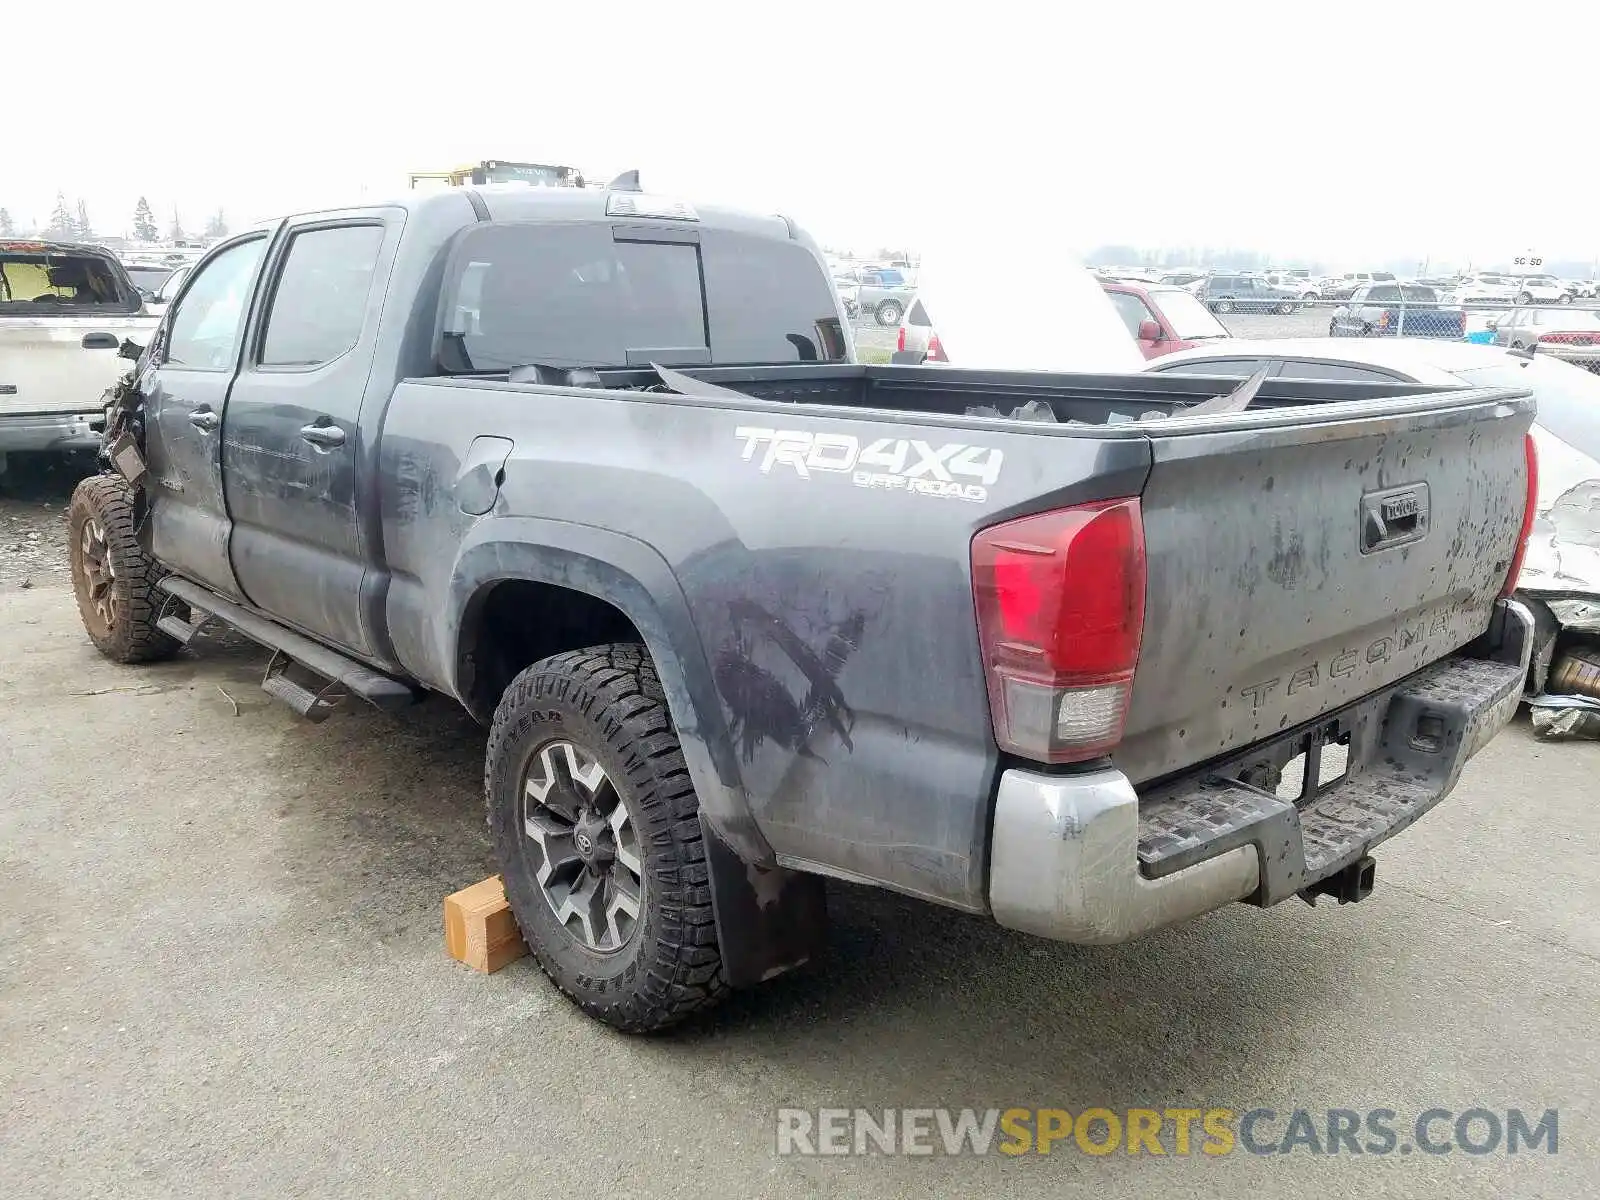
(834, 508)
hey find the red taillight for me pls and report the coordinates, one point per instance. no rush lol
(1528, 514)
(900, 342)
(1582, 339)
(935, 349)
(1060, 601)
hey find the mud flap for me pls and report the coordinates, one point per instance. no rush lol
(769, 919)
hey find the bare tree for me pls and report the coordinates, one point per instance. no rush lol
(7, 226)
(62, 223)
(85, 229)
(176, 234)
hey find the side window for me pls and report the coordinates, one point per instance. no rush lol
(204, 330)
(1385, 294)
(1132, 310)
(1359, 295)
(1241, 368)
(320, 301)
(1293, 369)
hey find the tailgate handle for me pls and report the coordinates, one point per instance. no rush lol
(8, 389)
(1394, 517)
(100, 341)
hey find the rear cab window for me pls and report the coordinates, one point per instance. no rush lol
(38, 279)
(599, 295)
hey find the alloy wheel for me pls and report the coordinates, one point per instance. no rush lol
(582, 846)
(99, 571)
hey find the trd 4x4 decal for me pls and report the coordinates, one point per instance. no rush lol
(908, 465)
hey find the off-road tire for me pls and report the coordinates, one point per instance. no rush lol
(888, 313)
(607, 700)
(105, 503)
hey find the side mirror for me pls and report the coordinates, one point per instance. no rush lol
(1149, 331)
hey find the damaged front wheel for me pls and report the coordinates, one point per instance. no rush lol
(112, 576)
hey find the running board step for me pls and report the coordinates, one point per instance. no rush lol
(313, 703)
(344, 676)
(181, 631)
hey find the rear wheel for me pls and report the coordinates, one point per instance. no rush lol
(1566, 298)
(888, 313)
(597, 829)
(1525, 298)
(112, 576)
(1224, 306)
(1285, 309)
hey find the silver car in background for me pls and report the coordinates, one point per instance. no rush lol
(1572, 335)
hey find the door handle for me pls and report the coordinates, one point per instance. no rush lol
(100, 341)
(204, 420)
(325, 436)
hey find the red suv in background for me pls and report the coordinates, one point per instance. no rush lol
(1163, 319)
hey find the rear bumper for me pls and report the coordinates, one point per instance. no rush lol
(51, 431)
(1085, 858)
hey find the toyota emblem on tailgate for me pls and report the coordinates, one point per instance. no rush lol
(1394, 517)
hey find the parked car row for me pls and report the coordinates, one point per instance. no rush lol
(1485, 287)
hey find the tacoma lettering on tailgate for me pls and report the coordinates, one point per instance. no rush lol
(1348, 662)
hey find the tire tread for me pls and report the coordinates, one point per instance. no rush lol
(617, 687)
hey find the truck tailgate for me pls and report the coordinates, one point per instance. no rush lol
(1299, 559)
(44, 367)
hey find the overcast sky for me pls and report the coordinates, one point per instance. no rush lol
(1349, 132)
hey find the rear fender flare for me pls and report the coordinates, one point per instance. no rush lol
(632, 577)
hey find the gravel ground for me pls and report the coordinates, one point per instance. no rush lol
(222, 973)
(34, 491)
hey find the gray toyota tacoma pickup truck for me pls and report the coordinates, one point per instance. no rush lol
(741, 615)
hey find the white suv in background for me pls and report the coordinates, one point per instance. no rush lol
(1541, 289)
(1308, 289)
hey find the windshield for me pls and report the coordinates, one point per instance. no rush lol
(1189, 319)
(1568, 397)
(575, 295)
(35, 281)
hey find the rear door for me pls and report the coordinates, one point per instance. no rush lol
(1272, 594)
(186, 384)
(291, 458)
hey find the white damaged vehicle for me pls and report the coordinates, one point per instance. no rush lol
(65, 309)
